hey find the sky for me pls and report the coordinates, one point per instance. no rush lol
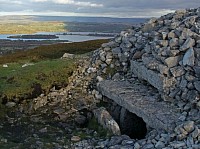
(104, 8)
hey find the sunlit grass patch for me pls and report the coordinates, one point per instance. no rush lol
(30, 81)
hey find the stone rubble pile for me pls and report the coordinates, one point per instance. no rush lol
(165, 52)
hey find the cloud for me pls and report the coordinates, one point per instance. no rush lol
(11, 2)
(72, 2)
(113, 8)
(39, 0)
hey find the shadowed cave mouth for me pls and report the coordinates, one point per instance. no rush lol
(132, 125)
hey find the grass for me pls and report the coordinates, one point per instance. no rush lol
(52, 51)
(28, 82)
(31, 27)
(48, 69)
(101, 132)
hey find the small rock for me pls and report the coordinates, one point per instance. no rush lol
(10, 104)
(137, 146)
(159, 145)
(189, 58)
(99, 78)
(138, 55)
(173, 42)
(148, 146)
(116, 51)
(177, 71)
(5, 66)
(189, 43)
(43, 130)
(189, 126)
(196, 133)
(75, 138)
(59, 111)
(197, 85)
(172, 61)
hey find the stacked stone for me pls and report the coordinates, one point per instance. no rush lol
(167, 48)
(166, 53)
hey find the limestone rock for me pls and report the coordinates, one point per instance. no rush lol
(189, 58)
(68, 55)
(189, 43)
(189, 126)
(105, 119)
(172, 61)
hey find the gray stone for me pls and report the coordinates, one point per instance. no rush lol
(191, 95)
(172, 61)
(10, 104)
(189, 43)
(177, 71)
(116, 51)
(163, 69)
(155, 79)
(68, 55)
(133, 39)
(178, 144)
(174, 52)
(148, 146)
(75, 138)
(115, 140)
(138, 55)
(189, 126)
(196, 133)
(106, 120)
(197, 71)
(189, 21)
(157, 115)
(159, 145)
(164, 35)
(171, 35)
(137, 146)
(174, 42)
(197, 85)
(164, 43)
(189, 58)
(181, 11)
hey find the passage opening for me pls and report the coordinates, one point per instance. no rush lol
(132, 125)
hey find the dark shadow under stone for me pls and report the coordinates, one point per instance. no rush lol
(132, 125)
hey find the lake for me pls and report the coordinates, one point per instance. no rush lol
(70, 36)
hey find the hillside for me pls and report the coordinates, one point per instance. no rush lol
(142, 87)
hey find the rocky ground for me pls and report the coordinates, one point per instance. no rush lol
(58, 119)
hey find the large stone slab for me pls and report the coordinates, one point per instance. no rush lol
(156, 79)
(139, 100)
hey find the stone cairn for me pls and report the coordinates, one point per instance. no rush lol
(165, 52)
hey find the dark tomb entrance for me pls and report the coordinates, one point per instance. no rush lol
(132, 125)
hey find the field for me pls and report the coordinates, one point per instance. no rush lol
(31, 27)
(45, 69)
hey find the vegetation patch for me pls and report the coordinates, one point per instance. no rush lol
(30, 81)
(100, 131)
(31, 27)
(30, 73)
(54, 51)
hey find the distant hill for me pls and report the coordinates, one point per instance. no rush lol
(73, 19)
(20, 24)
(89, 19)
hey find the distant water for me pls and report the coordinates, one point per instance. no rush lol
(82, 36)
